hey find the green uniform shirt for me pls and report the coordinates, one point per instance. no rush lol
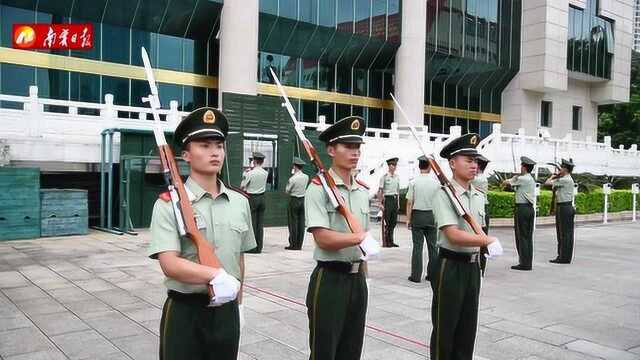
(225, 222)
(320, 213)
(481, 183)
(422, 192)
(297, 184)
(525, 186)
(255, 180)
(445, 214)
(390, 184)
(564, 189)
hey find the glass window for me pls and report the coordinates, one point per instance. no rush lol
(357, 111)
(394, 21)
(327, 13)
(309, 74)
(327, 109)
(387, 85)
(436, 124)
(268, 61)
(289, 71)
(343, 79)
(170, 52)
(345, 15)
(474, 126)
(342, 111)
(379, 19)
(375, 118)
(326, 77)
(169, 92)
(309, 111)
(375, 84)
(85, 88)
(309, 11)
(363, 13)
(360, 82)
(577, 118)
(289, 9)
(546, 110)
(119, 88)
(387, 118)
(269, 6)
(117, 48)
(53, 84)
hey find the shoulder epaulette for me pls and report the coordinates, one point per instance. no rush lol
(363, 184)
(164, 196)
(316, 180)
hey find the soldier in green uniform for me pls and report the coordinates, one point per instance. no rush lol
(481, 183)
(337, 294)
(388, 193)
(420, 220)
(296, 187)
(454, 310)
(190, 328)
(563, 183)
(254, 183)
(524, 215)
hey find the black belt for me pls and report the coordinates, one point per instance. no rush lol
(525, 205)
(297, 197)
(195, 298)
(342, 266)
(393, 196)
(260, 194)
(461, 257)
(565, 203)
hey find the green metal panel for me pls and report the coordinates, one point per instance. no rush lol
(19, 203)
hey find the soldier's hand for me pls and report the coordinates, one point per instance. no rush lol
(225, 288)
(409, 225)
(494, 248)
(370, 247)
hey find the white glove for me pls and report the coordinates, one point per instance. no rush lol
(241, 313)
(370, 247)
(225, 288)
(494, 249)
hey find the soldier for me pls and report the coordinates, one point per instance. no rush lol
(255, 184)
(562, 183)
(524, 215)
(296, 187)
(189, 327)
(337, 294)
(454, 310)
(421, 221)
(388, 194)
(481, 183)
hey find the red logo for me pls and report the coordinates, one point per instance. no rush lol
(53, 36)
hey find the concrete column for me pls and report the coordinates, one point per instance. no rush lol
(410, 62)
(238, 48)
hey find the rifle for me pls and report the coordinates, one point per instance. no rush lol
(444, 182)
(326, 180)
(179, 199)
(552, 206)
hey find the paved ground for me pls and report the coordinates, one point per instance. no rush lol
(98, 297)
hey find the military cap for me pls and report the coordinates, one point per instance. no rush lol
(423, 158)
(393, 160)
(482, 159)
(258, 155)
(567, 164)
(464, 145)
(349, 130)
(202, 123)
(298, 161)
(527, 161)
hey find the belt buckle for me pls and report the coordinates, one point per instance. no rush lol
(474, 258)
(355, 268)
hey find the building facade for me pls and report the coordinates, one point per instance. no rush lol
(542, 65)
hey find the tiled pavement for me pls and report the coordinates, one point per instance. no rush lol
(99, 297)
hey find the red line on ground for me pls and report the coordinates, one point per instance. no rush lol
(371, 327)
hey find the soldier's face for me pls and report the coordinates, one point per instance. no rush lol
(344, 156)
(464, 167)
(205, 156)
(392, 167)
